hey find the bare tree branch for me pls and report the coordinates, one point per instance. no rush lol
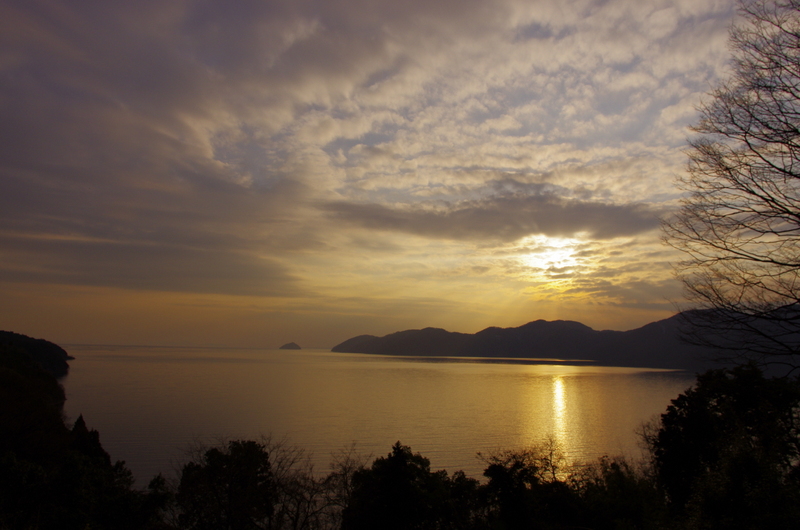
(739, 223)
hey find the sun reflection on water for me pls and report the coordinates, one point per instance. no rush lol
(559, 410)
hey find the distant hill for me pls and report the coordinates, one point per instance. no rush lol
(656, 345)
(290, 346)
(51, 357)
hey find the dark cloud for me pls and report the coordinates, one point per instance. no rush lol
(504, 218)
(142, 267)
(199, 238)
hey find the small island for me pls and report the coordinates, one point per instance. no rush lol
(290, 346)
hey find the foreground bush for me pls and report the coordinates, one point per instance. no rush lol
(246, 484)
(400, 491)
(727, 452)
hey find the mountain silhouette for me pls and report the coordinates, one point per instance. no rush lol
(51, 357)
(655, 345)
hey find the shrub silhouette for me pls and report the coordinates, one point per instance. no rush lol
(727, 450)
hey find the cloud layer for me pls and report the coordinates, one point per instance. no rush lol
(505, 219)
(254, 148)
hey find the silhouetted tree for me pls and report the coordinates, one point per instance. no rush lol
(526, 489)
(400, 491)
(727, 451)
(300, 495)
(258, 484)
(339, 486)
(740, 223)
(513, 479)
(229, 488)
(616, 494)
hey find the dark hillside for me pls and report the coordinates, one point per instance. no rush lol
(51, 357)
(54, 476)
(655, 345)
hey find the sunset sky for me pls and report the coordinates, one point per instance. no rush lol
(257, 172)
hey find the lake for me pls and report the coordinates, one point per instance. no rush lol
(151, 403)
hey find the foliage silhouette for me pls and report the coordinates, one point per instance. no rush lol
(400, 491)
(530, 488)
(727, 453)
(231, 488)
(260, 484)
(616, 494)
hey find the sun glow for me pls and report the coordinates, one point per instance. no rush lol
(550, 253)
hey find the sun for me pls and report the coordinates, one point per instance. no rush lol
(545, 253)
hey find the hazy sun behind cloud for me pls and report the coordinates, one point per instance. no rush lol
(550, 256)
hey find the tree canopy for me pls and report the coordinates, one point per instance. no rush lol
(727, 451)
